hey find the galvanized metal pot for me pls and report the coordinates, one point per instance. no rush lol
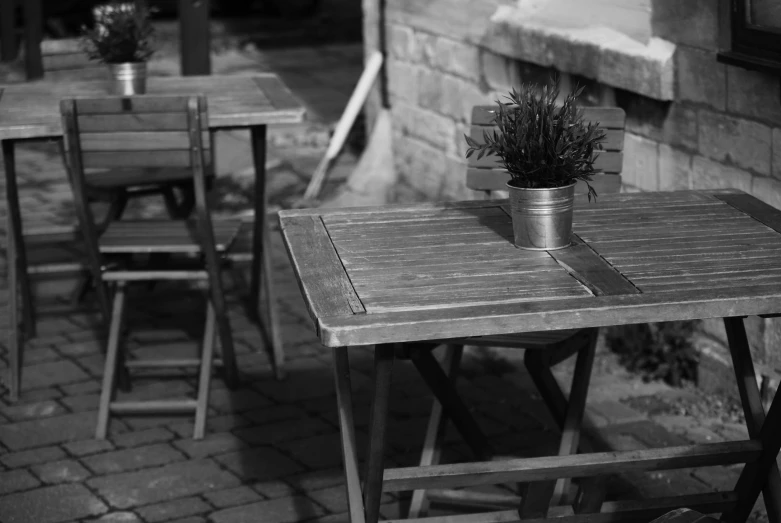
(128, 78)
(542, 218)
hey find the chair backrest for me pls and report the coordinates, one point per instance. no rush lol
(487, 173)
(136, 132)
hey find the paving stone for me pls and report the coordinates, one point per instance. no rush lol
(51, 374)
(178, 508)
(131, 489)
(193, 519)
(119, 517)
(288, 430)
(48, 431)
(276, 488)
(232, 497)
(88, 446)
(277, 413)
(82, 348)
(718, 478)
(64, 471)
(51, 505)
(616, 412)
(31, 457)
(82, 403)
(211, 445)
(40, 355)
(32, 410)
(15, 480)
(311, 451)
(259, 464)
(282, 510)
(142, 437)
(82, 387)
(316, 480)
(225, 400)
(133, 459)
(651, 434)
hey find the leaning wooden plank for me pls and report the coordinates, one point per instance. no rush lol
(327, 290)
(570, 313)
(590, 269)
(612, 511)
(578, 465)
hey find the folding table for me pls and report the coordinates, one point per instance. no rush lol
(424, 272)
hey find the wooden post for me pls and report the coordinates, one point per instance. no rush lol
(194, 37)
(33, 34)
(8, 48)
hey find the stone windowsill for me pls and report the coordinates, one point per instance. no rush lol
(600, 53)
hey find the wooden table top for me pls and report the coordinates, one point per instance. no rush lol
(436, 271)
(32, 110)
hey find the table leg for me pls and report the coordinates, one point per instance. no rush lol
(752, 407)
(258, 141)
(344, 402)
(754, 476)
(372, 490)
(261, 274)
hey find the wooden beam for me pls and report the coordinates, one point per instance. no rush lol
(195, 37)
(33, 34)
(8, 47)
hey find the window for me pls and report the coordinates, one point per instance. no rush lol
(755, 30)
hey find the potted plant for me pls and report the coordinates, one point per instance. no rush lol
(121, 39)
(546, 148)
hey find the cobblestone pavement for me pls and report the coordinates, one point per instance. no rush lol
(271, 453)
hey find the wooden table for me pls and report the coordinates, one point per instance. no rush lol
(31, 111)
(412, 273)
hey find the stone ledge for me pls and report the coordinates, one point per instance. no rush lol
(599, 53)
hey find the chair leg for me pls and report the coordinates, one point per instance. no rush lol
(230, 372)
(273, 328)
(204, 379)
(112, 361)
(28, 305)
(15, 344)
(435, 431)
(567, 413)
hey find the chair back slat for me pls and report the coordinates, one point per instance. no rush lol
(487, 173)
(137, 132)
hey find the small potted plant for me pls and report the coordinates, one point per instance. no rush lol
(121, 39)
(546, 148)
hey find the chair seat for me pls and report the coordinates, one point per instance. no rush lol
(527, 340)
(112, 178)
(163, 236)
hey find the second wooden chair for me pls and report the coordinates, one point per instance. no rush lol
(103, 137)
(543, 349)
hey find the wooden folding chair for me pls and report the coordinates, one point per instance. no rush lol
(128, 133)
(44, 248)
(543, 351)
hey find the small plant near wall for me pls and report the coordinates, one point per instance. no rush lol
(657, 351)
(546, 147)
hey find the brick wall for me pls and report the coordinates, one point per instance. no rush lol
(723, 128)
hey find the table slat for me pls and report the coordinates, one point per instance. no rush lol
(329, 291)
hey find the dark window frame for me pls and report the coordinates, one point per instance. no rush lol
(749, 47)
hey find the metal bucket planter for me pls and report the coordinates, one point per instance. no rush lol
(128, 79)
(542, 218)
